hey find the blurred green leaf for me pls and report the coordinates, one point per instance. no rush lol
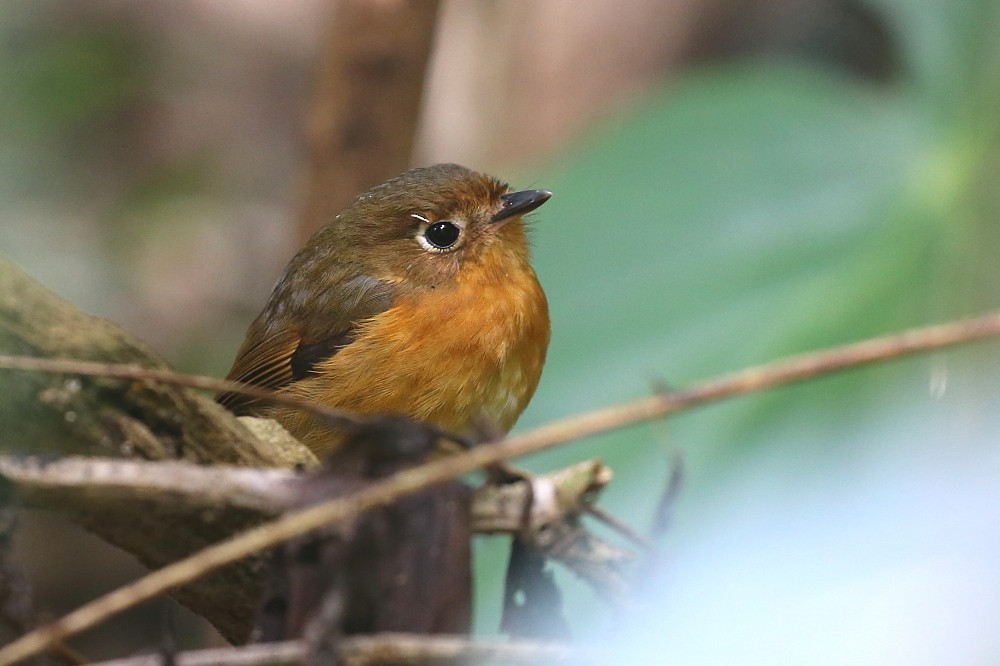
(744, 214)
(71, 85)
(55, 83)
(753, 211)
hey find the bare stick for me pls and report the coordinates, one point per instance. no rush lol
(668, 498)
(71, 366)
(371, 650)
(779, 373)
(618, 525)
(119, 489)
(335, 417)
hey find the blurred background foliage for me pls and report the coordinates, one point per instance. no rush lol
(733, 182)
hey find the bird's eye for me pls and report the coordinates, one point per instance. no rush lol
(442, 235)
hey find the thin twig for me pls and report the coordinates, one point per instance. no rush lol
(289, 653)
(176, 487)
(410, 649)
(668, 498)
(618, 525)
(69, 366)
(372, 650)
(782, 372)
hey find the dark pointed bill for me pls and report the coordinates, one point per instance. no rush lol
(519, 203)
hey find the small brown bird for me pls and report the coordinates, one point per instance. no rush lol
(418, 299)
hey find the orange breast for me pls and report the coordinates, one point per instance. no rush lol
(471, 349)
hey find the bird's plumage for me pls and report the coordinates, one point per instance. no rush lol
(370, 317)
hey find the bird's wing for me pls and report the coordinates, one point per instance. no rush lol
(281, 350)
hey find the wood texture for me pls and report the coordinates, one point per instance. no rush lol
(47, 414)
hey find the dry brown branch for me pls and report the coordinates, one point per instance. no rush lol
(618, 525)
(95, 415)
(177, 494)
(120, 488)
(369, 85)
(794, 369)
(69, 366)
(372, 651)
(105, 416)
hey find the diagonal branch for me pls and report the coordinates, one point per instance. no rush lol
(169, 496)
(386, 648)
(71, 366)
(779, 373)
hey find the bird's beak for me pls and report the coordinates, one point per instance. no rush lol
(519, 203)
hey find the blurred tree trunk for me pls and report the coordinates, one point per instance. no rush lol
(369, 86)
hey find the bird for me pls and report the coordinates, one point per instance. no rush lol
(418, 299)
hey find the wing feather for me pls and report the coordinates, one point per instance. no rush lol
(265, 364)
(281, 350)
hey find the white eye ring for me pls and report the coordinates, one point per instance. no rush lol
(447, 235)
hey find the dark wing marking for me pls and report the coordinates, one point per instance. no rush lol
(307, 355)
(291, 353)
